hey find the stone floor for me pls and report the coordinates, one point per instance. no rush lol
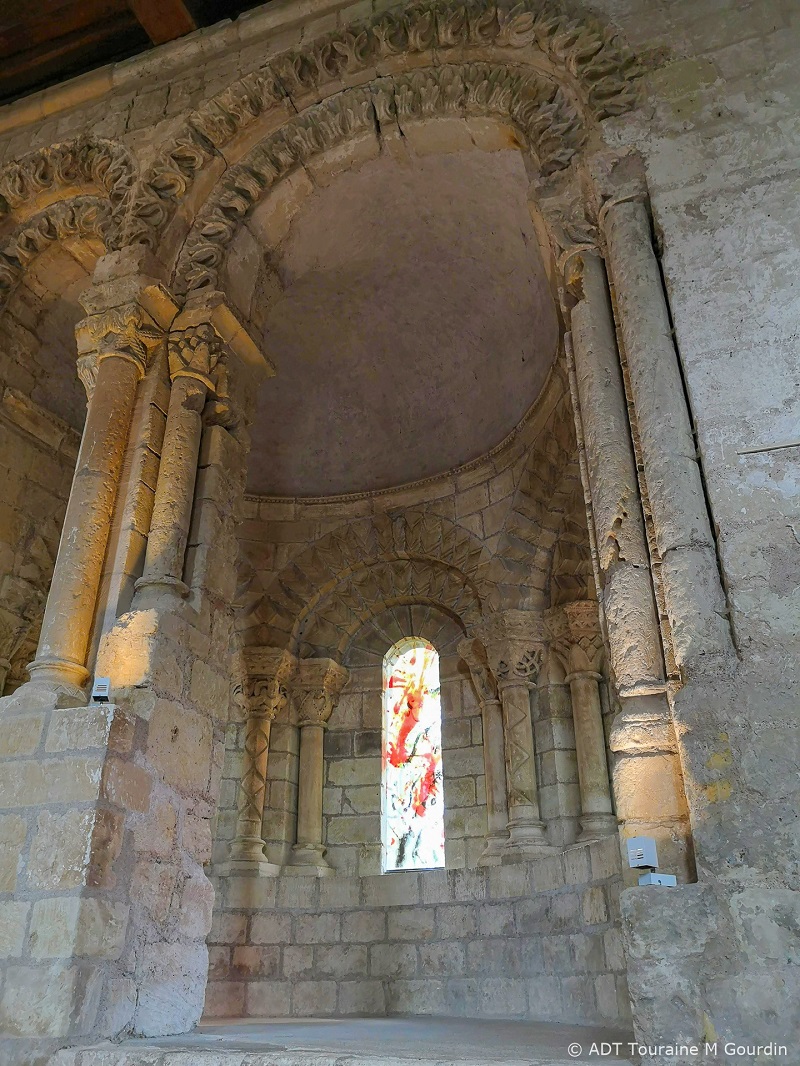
(361, 1042)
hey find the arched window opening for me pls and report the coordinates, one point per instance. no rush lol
(412, 802)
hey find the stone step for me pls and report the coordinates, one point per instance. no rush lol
(362, 1042)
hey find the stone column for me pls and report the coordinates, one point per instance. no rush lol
(648, 785)
(266, 695)
(115, 347)
(194, 352)
(515, 644)
(316, 690)
(474, 655)
(581, 652)
(692, 588)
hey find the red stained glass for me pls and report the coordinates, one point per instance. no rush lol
(412, 801)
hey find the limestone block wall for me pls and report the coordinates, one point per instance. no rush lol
(37, 459)
(536, 940)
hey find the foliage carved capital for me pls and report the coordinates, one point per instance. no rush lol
(515, 643)
(316, 689)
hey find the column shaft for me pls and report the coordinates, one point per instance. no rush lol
(495, 774)
(628, 601)
(247, 848)
(524, 822)
(648, 786)
(597, 818)
(172, 511)
(309, 851)
(692, 586)
(61, 656)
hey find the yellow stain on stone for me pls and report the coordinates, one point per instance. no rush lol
(720, 760)
(718, 791)
(709, 1035)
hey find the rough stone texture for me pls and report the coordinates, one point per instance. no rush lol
(531, 940)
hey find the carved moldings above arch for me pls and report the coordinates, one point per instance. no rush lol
(545, 119)
(370, 592)
(582, 72)
(85, 217)
(62, 171)
(410, 557)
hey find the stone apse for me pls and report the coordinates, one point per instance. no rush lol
(200, 506)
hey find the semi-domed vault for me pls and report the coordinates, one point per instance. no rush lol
(410, 322)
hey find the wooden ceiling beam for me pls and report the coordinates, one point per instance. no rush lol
(163, 20)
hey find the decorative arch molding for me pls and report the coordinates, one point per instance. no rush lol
(73, 168)
(86, 217)
(585, 64)
(543, 118)
(336, 621)
(430, 621)
(304, 586)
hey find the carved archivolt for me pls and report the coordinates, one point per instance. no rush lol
(549, 72)
(365, 566)
(86, 217)
(105, 166)
(338, 619)
(538, 107)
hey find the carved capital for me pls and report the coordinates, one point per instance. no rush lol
(269, 671)
(577, 638)
(194, 352)
(87, 372)
(566, 205)
(473, 653)
(316, 689)
(125, 332)
(515, 643)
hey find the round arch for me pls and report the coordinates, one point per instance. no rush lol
(554, 75)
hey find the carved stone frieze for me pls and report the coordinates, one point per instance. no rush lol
(106, 165)
(588, 57)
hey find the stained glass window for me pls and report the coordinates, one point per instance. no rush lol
(412, 822)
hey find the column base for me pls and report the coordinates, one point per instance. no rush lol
(247, 857)
(308, 860)
(526, 840)
(249, 868)
(53, 683)
(597, 825)
(151, 589)
(492, 854)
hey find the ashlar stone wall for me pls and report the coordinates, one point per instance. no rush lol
(535, 940)
(37, 459)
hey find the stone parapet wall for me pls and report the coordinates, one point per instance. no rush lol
(537, 940)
